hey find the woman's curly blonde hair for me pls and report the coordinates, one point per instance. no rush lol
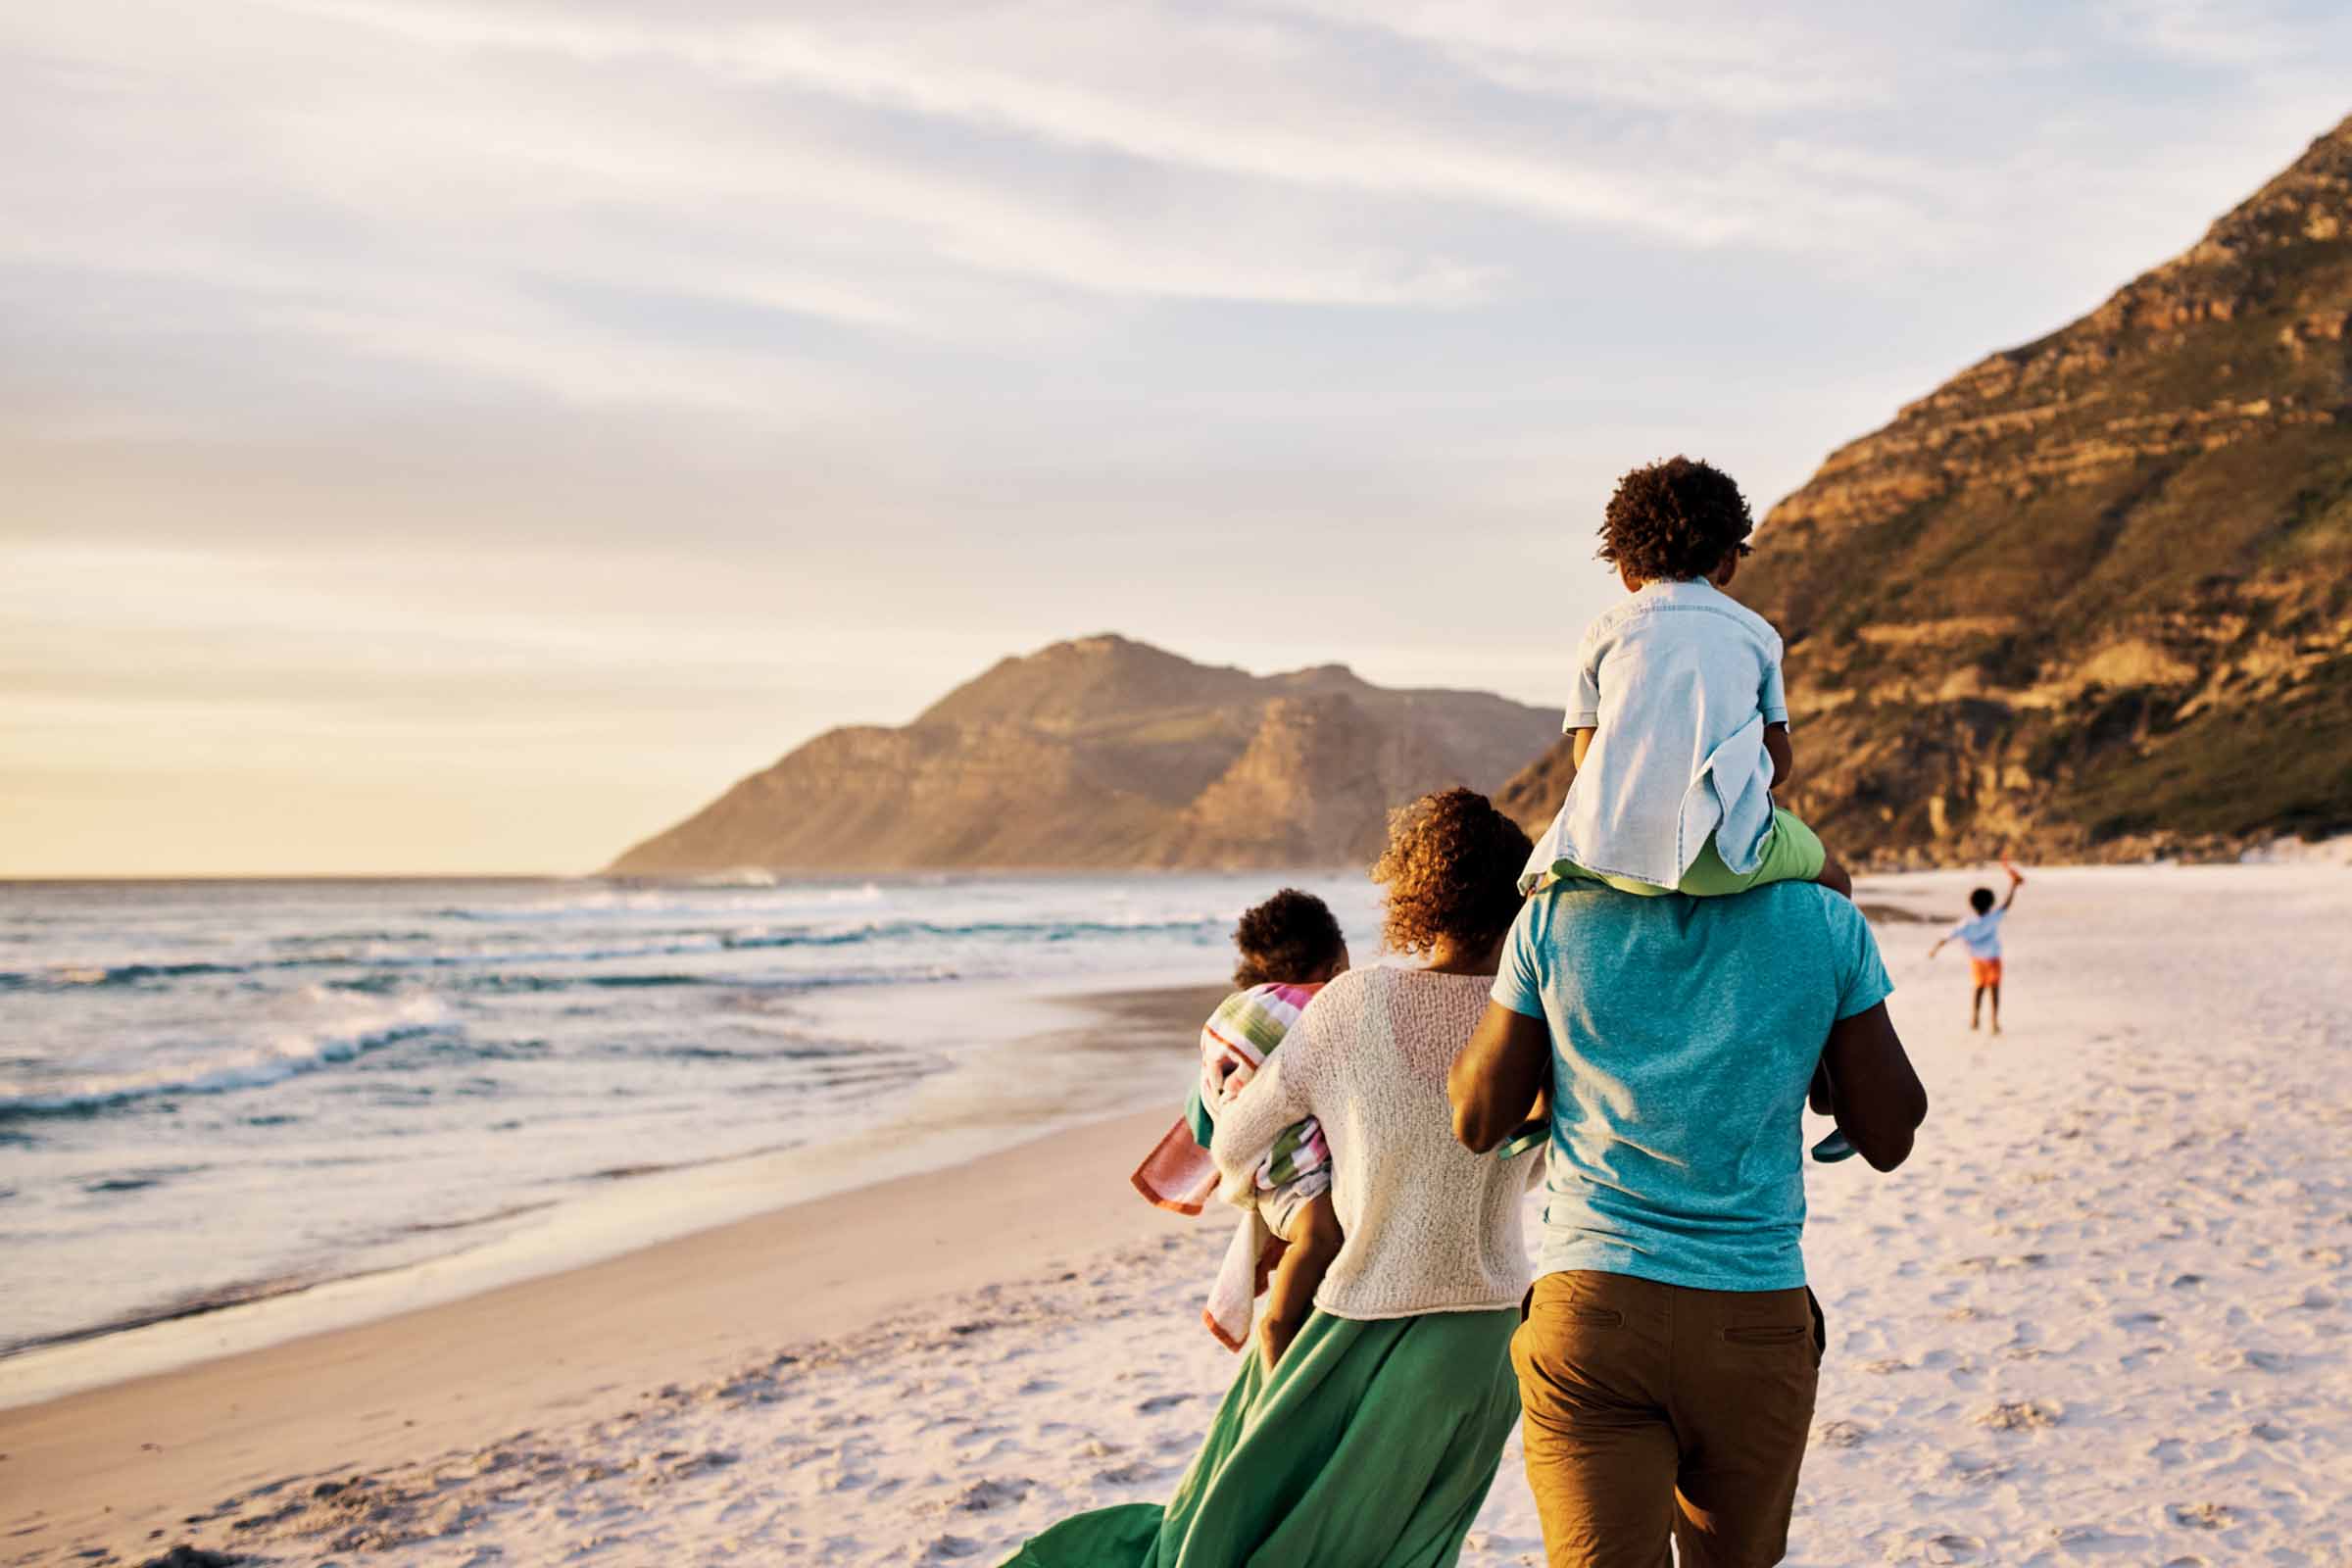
(1451, 869)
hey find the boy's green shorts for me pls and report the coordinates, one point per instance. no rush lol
(1793, 852)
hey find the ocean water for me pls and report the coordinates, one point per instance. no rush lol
(212, 1093)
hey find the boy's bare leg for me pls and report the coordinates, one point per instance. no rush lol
(1834, 875)
(1975, 1007)
(1995, 989)
(1315, 1240)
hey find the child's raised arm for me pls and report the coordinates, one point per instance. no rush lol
(2016, 880)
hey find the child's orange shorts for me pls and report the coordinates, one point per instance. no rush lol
(1987, 971)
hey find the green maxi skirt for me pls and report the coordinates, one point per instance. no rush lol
(1372, 1445)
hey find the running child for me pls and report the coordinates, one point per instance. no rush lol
(1289, 946)
(1981, 934)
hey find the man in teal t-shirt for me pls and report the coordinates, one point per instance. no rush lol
(1671, 1349)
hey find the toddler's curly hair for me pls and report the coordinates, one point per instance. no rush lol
(1675, 521)
(1451, 868)
(1289, 937)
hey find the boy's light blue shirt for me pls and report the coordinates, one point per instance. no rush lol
(1678, 682)
(1684, 1034)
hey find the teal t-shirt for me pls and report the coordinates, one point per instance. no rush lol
(1684, 1033)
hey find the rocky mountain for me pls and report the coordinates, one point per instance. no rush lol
(2091, 598)
(1107, 752)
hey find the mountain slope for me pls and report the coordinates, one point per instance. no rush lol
(2090, 597)
(1104, 751)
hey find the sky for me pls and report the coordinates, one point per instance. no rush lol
(442, 437)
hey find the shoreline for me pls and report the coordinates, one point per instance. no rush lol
(140, 1427)
(2102, 1314)
(135, 1454)
(937, 1125)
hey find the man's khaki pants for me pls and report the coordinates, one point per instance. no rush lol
(1658, 1410)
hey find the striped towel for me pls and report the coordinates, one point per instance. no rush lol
(1179, 1174)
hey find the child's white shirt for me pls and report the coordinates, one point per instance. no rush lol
(1678, 682)
(1981, 934)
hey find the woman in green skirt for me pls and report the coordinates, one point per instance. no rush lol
(1371, 1439)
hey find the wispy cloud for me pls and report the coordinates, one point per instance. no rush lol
(1731, 60)
(812, 355)
(2220, 33)
(1102, 78)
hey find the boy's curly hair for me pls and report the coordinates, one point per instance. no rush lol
(1451, 869)
(1675, 521)
(1289, 937)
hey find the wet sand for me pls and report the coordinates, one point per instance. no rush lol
(111, 1465)
(2103, 1316)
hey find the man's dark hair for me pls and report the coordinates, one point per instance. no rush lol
(1289, 937)
(1981, 900)
(1673, 521)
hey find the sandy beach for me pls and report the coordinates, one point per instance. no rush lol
(2100, 1317)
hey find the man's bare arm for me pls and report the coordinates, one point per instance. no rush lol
(1783, 756)
(1879, 1098)
(1495, 1082)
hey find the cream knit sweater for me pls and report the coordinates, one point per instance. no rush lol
(1431, 1227)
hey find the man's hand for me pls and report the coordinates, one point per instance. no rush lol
(1496, 1080)
(1878, 1099)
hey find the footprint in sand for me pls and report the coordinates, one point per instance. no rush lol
(1951, 1548)
(1128, 1474)
(2092, 1538)
(2022, 1415)
(984, 1496)
(1978, 1471)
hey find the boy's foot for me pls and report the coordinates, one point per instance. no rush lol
(1973, 1023)
(1832, 1148)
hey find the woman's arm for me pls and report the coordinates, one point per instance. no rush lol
(1277, 1098)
